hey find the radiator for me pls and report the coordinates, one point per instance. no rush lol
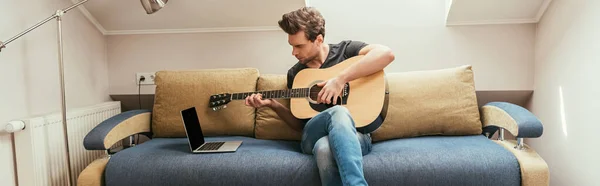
(40, 149)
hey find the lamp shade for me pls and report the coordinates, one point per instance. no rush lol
(152, 6)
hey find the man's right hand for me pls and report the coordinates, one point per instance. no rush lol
(256, 101)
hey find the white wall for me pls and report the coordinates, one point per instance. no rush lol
(502, 55)
(29, 67)
(129, 54)
(565, 98)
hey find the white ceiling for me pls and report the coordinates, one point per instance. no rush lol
(128, 16)
(477, 12)
(114, 17)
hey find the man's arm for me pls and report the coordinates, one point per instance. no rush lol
(287, 116)
(376, 58)
(256, 101)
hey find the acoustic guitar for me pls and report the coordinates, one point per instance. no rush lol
(365, 97)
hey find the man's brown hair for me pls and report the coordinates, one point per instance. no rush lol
(307, 19)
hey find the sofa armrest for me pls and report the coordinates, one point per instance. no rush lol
(116, 128)
(517, 120)
(93, 174)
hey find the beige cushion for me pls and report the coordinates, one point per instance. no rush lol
(534, 169)
(178, 90)
(434, 102)
(268, 124)
(93, 174)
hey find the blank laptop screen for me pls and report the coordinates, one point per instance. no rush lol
(192, 127)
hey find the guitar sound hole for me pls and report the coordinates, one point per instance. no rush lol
(314, 93)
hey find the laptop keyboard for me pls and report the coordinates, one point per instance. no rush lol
(211, 146)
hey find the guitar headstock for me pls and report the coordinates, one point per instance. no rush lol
(219, 101)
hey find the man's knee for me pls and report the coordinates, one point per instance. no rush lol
(339, 113)
(322, 148)
(340, 116)
(338, 110)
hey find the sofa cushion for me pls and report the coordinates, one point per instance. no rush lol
(167, 161)
(433, 102)
(441, 160)
(268, 124)
(431, 160)
(178, 90)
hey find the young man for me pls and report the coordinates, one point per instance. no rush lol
(331, 135)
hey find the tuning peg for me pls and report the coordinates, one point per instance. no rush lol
(224, 106)
(214, 109)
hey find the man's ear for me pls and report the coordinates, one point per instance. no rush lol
(319, 39)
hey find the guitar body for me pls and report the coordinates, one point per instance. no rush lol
(365, 98)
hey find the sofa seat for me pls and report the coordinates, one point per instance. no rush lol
(441, 160)
(432, 160)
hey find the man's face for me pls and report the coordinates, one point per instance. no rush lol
(303, 49)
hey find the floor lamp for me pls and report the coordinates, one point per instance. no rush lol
(151, 6)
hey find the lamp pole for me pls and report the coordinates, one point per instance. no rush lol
(58, 16)
(63, 108)
(151, 6)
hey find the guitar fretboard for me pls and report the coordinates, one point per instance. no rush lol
(274, 94)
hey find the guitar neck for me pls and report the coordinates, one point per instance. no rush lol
(274, 94)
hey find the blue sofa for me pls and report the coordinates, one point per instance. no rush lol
(270, 154)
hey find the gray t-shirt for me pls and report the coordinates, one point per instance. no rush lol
(337, 53)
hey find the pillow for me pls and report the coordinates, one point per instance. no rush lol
(268, 124)
(433, 102)
(178, 90)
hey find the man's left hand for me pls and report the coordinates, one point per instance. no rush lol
(332, 88)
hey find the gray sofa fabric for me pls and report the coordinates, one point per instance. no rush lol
(529, 125)
(433, 160)
(439, 160)
(94, 140)
(168, 161)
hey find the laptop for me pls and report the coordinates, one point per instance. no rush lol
(196, 138)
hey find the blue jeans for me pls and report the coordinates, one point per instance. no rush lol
(332, 137)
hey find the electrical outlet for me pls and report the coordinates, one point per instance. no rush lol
(148, 78)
